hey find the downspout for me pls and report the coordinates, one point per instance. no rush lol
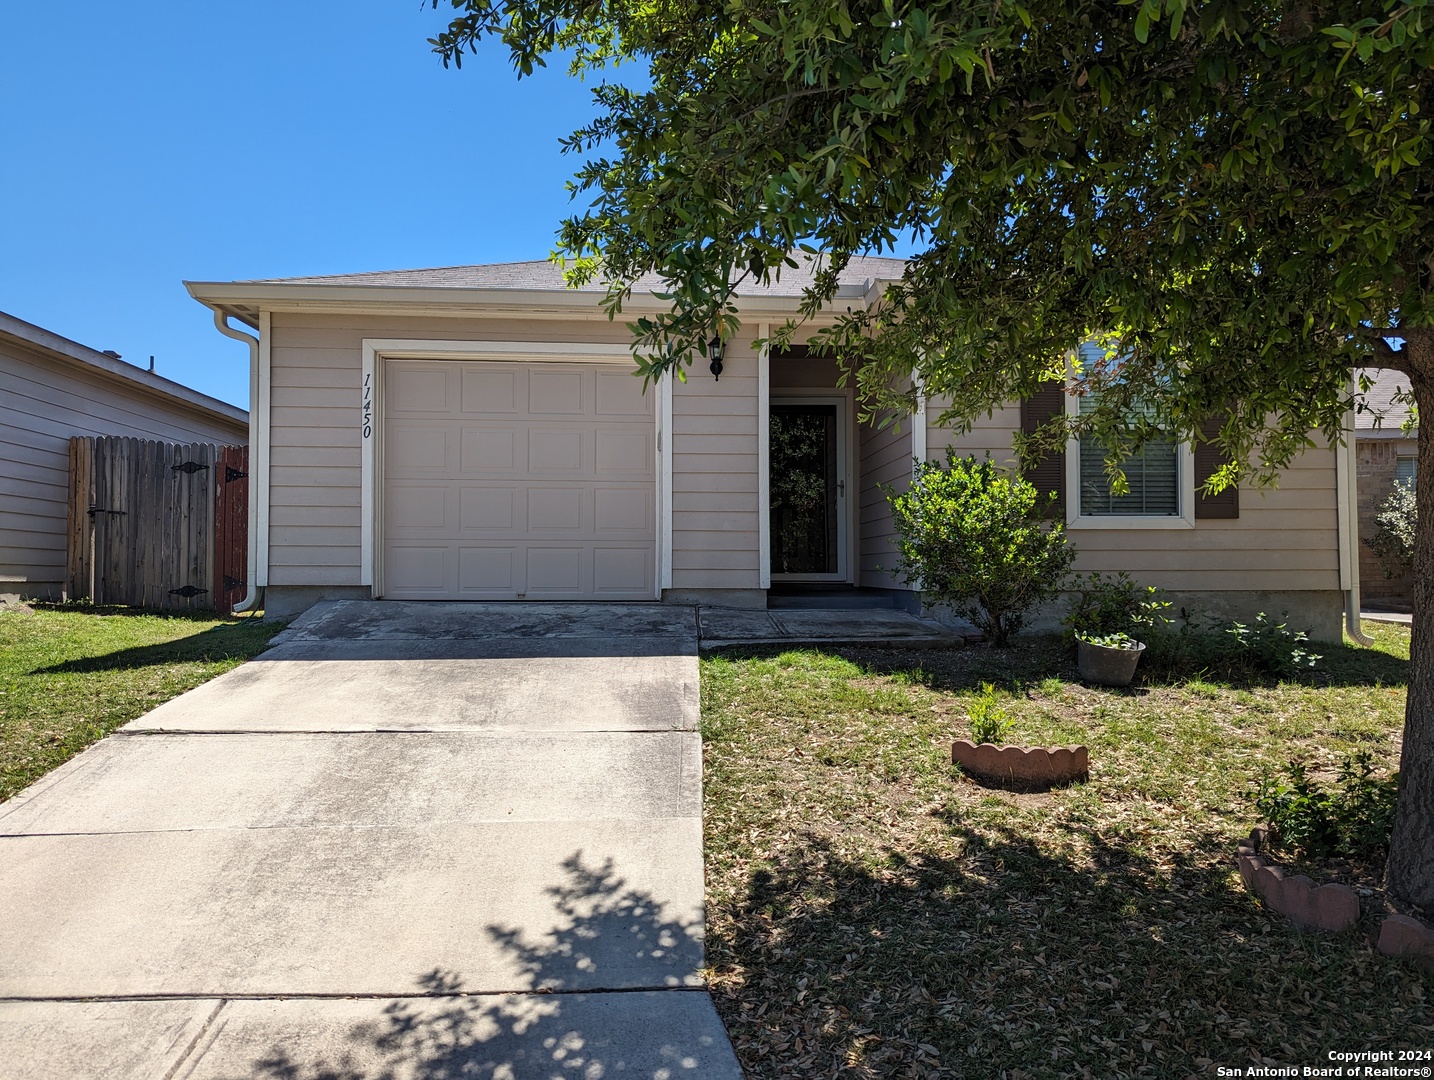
(221, 323)
(1347, 503)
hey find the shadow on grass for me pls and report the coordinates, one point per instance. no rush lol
(1030, 660)
(990, 955)
(237, 640)
(604, 933)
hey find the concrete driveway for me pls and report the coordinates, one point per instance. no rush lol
(408, 841)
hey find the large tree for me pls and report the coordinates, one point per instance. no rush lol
(1237, 195)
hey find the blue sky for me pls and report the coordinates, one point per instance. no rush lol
(146, 143)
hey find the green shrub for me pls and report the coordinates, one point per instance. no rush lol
(1272, 648)
(972, 538)
(988, 720)
(1101, 605)
(1396, 521)
(1353, 817)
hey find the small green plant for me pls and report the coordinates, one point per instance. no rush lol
(1102, 604)
(1272, 647)
(1353, 817)
(1109, 641)
(1397, 519)
(988, 720)
(973, 538)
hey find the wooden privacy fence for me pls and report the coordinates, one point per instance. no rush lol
(157, 524)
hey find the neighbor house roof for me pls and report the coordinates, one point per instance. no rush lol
(514, 285)
(52, 345)
(1382, 414)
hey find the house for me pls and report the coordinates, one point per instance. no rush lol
(52, 388)
(476, 433)
(1385, 454)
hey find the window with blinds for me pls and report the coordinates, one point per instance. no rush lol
(1406, 469)
(1153, 476)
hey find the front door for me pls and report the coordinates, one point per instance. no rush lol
(808, 489)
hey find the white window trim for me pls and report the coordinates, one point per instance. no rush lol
(1184, 486)
(377, 351)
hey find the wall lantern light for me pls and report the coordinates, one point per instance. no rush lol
(715, 351)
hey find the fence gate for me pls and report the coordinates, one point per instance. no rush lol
(157, 524)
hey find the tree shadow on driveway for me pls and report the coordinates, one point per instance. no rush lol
(658, 1022)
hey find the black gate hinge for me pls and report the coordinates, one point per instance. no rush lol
(231, 474)
(190, 467)
(188, 592)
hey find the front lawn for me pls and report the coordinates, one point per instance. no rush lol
(70, 675)
(873, 913)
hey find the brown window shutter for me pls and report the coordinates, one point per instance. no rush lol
(1048, 473)
(1208, 459)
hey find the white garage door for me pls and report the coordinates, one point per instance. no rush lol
(507, 481)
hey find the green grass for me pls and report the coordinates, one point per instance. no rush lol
(70, 675)
(873, 913)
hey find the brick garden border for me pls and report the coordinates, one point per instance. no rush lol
(1019, 766)
(1331, 907)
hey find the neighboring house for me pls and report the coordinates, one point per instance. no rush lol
(1386, 454)
(52, 388)
(476, 433)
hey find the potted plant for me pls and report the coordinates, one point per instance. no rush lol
(1103, 615)
(1107, 659)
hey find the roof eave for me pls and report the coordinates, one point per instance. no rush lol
(245, 299)
(60, 348)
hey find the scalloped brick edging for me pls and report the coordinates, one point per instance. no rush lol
(1330, 907)
(1022, 765)
(1399, 935)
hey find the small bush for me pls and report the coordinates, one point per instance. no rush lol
(1354, 817)
(972, 538)
(988, 720)
(1103, 605)
(1397, 520)
(1272, 648)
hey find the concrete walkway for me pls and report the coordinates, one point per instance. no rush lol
(408, 841)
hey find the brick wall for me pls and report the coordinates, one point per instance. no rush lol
(1375, 462)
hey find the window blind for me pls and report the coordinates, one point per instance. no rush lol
(1153, 476)
(1406, 470)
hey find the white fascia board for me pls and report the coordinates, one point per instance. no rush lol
(242, 297)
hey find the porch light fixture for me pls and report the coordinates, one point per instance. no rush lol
(715, 350)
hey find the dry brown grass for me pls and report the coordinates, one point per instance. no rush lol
(872, 913)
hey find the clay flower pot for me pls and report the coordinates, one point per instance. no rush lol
(1107, 665)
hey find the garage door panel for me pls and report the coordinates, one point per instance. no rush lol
(418, 570)
(620, 394)
(558, 391)
(623, 510)
(556, 509)
(557, 450)
(414, 506)
(418, 388)
(489, 389)
(556, 571)
(489, 572)
(518, 480)
(624, 453)
(415, 448)
(622, 571)
(489, 449)
(489, 508)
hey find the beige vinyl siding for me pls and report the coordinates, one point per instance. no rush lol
(1286, 538)
(714, 473)
(884, 457)
(43, 402)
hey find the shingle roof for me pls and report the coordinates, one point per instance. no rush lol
(542, 275)
(1381, 413)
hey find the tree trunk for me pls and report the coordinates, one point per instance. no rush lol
(1409, 874)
